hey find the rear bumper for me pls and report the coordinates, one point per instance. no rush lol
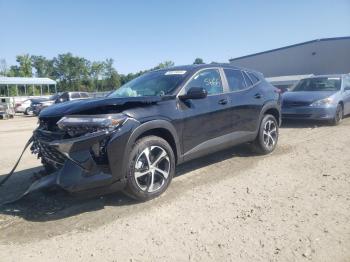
(88, 162)
(311, 113)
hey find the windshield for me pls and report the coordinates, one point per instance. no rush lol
(318, 84)
(157, 83)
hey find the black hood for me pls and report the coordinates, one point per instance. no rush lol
(103, 105)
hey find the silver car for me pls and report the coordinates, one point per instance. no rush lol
(325, 97)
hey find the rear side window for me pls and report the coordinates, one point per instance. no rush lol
(75, 95)
(247, 79)
(253, 77)
(235, 80)
(85, 95)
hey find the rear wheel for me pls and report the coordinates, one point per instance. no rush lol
(339, 113)
(267, 138)
(151, 168)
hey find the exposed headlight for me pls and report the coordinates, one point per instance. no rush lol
(78, 124)
(323, 102)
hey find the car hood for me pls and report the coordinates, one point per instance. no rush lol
(102, 105)
(304, 96)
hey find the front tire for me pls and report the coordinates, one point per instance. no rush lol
(151, 168)
(339, 113)
(267, 138)
(28, 111)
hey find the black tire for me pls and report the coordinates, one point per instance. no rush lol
(339, 114)
(28, 111)
(141, 188)
(265, 144)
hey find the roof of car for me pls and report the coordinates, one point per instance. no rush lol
(330, 75)
(200, 66)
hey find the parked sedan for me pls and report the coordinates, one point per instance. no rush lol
(27, 106)
(59, 98)
(318, 98)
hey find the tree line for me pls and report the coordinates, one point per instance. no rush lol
(74, 73)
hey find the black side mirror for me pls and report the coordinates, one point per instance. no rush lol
(195, 93)
(347, 88)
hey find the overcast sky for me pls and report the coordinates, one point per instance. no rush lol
(140, 34)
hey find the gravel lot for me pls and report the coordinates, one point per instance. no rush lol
(293, 205)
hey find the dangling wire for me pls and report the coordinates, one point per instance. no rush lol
(19, 159)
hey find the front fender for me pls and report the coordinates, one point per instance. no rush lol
(120, 146)
(156, 124)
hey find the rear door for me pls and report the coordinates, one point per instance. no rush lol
(246, 100)
(206, 120)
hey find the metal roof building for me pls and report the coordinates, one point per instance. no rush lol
(322, 56)
(23, 85)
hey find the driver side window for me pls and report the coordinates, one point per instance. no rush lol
(208, 79)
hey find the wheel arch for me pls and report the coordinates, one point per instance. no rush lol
(274, 109)
(341, 103)
(160, 128)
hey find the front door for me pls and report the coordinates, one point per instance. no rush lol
(205, 120)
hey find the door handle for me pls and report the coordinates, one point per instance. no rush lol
(257, 96)
(223, 102)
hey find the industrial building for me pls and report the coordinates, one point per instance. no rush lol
(287, 65)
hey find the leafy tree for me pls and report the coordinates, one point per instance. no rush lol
(96, 72)
(112, 78)
(25, 65)
(72, 72)
(198, 61)
(43, 67)
(14, 71)
(3, 67)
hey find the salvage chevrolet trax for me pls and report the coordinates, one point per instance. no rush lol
(133, 139)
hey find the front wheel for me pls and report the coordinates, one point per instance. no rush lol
(338, 115)
(151, 168)
(28, 111)
(267, 138)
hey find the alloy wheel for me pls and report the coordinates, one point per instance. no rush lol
(152, 168)
(339, 114)
(270, 134)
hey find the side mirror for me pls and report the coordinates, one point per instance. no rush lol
(347, 88)
(195, 93)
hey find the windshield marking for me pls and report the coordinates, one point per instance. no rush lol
(177, 72)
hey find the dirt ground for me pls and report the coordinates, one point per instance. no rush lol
(293, 205)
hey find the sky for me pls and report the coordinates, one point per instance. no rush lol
(140, 34)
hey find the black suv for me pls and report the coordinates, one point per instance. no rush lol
(132, 139)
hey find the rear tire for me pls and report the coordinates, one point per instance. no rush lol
(267, 138)
(151, 168)
(339, 114)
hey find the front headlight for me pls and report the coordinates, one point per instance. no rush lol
(81, 124)
(323, 102)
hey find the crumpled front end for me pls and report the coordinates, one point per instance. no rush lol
(80, 161)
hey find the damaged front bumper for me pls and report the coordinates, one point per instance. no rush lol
(81, 163)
